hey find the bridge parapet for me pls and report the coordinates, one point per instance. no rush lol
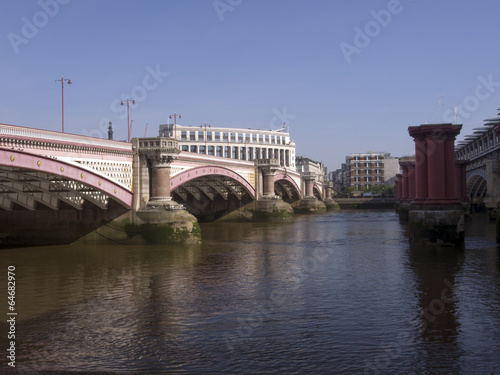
(109, 158)
(38, 139)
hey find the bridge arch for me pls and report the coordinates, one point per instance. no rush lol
(210, 192)
(29, 178)
(477, 184)
(210, 170)
(317, 192)
(286, 187)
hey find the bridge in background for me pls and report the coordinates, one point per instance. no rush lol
(481, 150)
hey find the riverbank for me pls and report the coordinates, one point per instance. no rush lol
(366, 203)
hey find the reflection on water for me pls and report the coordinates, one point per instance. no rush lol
(336, 293)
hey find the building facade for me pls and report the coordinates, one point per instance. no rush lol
(305, 164)
(233, 143)
(366, 170)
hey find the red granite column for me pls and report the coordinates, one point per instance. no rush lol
(421, 183)
(460, 179)
(404, 184)
(411, 181)
(435, 168)
(398, 186)
(464, 180)
(451, 187)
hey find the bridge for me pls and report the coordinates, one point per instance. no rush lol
(481, 150)
(51, 180)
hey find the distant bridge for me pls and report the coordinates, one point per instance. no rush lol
(482, 151)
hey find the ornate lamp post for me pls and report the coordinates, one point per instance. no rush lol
(62, 80)
(128, 117)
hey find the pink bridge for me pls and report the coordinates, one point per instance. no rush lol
(41, 169)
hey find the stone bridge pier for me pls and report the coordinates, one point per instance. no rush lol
(268, 205)
(309, 203)
(436, 214)
(155, 217)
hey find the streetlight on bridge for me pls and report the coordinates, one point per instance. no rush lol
(128, 117)
(62, 80)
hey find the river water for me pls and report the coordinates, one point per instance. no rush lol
(341, 292)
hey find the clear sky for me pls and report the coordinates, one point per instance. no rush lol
(346, 76)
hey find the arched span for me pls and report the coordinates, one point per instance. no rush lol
(13, 159)
(317, 192)
(286, 177)
(209, 170)
(481, 172)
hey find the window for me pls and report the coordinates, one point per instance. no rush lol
(254, 138)
(217, 136)
(185, 148)
(201, 136)
(233, 137)
(192, 136)
(261, 138)
(183, 135)
(209, 136)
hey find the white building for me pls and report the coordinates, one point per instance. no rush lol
(242, 144)
(305, 164)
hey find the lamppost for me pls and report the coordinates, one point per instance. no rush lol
(62, 93)
(128, 116)
(175, 123)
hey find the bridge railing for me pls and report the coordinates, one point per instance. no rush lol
(54, 137)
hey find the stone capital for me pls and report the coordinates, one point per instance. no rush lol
(160, 151)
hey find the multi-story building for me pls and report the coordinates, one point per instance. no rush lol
(242, 144)
(308, 165)
(365, 170)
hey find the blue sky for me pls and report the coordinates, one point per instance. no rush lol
(346, 76)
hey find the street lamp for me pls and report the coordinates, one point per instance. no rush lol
(62, 80)
(128, 117)
(175, 123)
